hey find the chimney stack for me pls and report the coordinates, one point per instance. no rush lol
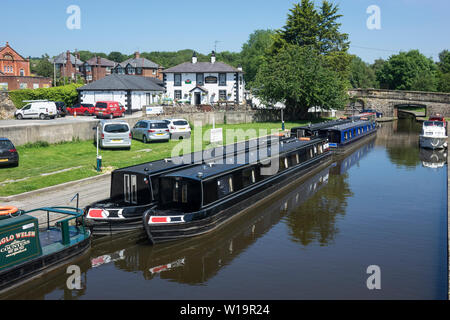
(194, 57)
(68, 57)
(213, 57)
(98, 60)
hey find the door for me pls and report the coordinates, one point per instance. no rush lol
(197, 98)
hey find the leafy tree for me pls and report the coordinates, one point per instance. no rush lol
(42, 67)
(253, 52)
(444, 71)
(116, 56)
(408, 71)
(299, 77)
(361, 74)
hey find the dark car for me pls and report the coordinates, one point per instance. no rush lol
(61, 108)
(8, 153)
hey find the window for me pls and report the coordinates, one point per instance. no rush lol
(177, 94)
(138, 70)
(153, 71)
(177, 79)
(199, 78)
(248, 177)
(88, 68)
(222, 79)
(224, 186)
(222, 94)
(22, 72)
(130, 70)
(116, 128)
(130, 188)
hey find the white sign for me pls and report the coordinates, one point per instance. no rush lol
(153, 110)
(216, 135)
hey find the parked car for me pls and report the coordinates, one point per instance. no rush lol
(61, 108)
(85, 109)
(8, 153)
(108, 109)
(150, 130)
(178, 128)
(113, 134)
(40, 109)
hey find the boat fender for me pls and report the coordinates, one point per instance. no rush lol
(8, 210)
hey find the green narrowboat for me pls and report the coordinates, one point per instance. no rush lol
(30, 246)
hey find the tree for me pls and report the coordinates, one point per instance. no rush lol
(299, 77)
(361, 75)
(307, 26)
(253, 52)
(408, 71)
(43, 67)
(444, 71)
(116, 56)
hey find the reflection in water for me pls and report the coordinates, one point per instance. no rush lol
(433, 158)
(316, 218)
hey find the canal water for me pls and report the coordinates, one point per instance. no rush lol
(382, 204)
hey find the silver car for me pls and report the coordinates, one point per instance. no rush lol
(113, 134)
(151, 130)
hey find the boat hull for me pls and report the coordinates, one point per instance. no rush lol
(219, 214)
(26, 271)
(433, 142)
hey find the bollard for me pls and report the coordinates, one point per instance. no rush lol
(99, 163)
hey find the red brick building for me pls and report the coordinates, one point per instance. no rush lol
(139, 66)
(12, 63)
(96, 68)
(68, 65)
(15, 72)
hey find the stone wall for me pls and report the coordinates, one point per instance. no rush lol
(387, 101)
(56, 132)
(7, 107)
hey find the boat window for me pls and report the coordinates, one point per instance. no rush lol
(320, 149)
(180, 194)
(345, 135)
(126, 188)
(155, 188)
(224, 186)
(310, 153)
(248, 177)
(133, 189)
(302, 155)
(315, 150)
(175, 191)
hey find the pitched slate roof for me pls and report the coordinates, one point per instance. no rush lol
(124, 82)
(140, 63)
(103, 62)
(61, 59)
(202, 67)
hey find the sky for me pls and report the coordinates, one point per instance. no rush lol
(35, 28)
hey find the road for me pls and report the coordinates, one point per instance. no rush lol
(90, 191)
(67, 119)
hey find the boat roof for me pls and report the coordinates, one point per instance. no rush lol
(159, 166)
(321, 125)
(350, 125)
(204, 171)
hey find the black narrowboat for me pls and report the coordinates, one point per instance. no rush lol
(313, 130)
(196, 200)
(29, 248)
(135, 189)
(345, 134)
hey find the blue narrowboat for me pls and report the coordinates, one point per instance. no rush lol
(345, 134)
(313, 130)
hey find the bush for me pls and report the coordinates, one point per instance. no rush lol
(68, 94)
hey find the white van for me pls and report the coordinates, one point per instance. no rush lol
(40, 109)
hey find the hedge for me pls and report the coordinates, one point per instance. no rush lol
(68, 94)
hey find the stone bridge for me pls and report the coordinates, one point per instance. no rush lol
(389, 101)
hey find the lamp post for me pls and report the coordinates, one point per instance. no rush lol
(99, 157)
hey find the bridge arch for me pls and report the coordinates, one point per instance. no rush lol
(417, 109)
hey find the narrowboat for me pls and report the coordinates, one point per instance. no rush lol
(433, 135)
(197, 200)
(135, 189)
(345, 134)
(29, 249)
(312, 130)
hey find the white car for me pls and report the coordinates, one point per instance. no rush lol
(40, 109)
(178, 128)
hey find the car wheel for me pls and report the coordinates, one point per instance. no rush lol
(144, 139)
(19, 117)
(42, 116)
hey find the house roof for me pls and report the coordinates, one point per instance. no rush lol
(200, 88)
(103, 62)
(202, 67)
(62, 59)
(116, 82)
(139, 63)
